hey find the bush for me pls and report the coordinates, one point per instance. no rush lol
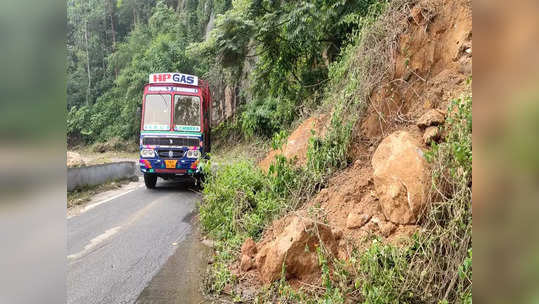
(238, 201)
(264, 117)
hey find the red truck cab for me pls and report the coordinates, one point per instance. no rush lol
(175, 127)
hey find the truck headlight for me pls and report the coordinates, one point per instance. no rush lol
(193, 154)
(147, 153)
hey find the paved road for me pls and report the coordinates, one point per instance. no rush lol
(116, 248)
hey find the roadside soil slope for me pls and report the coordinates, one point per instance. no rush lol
(387, 186)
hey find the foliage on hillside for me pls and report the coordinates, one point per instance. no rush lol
(434, 266)
(289, 44)
(109, 62)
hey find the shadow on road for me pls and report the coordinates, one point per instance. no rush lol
(184, 184)
(180, 279)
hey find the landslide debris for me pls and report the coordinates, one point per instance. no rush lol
(401, 177)
(385, 189)
(296, 247)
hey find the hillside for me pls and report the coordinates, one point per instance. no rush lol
(376, 205)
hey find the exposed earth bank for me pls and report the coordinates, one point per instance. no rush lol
(387, 187)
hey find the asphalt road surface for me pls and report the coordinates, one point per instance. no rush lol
(117, 245)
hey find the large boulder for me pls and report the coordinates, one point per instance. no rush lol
(401, 177)
(296, 248)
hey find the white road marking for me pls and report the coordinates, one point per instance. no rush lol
(94, 242)
(91, 206)
(110, 232)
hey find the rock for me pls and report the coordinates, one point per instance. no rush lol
(297, 143)
(401, 177)
(248, 293)
(369, 205)
(208, 243)
(433, 117)
(246, 263)
(432, 134)
(296, 248)
(248, 248)
(74, 159)
(376, 220)
(370, 226)
(357, 220)
(386, 228)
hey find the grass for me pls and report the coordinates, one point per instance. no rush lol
(254, 149)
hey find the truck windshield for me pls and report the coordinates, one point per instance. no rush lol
(157, 112)
(186, 113)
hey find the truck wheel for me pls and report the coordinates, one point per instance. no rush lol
(150, 180)
(199, 181)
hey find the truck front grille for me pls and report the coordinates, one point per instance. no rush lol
(166, 153)
(171, 141)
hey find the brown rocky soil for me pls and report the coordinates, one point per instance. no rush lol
(386, 188)
(431, 66)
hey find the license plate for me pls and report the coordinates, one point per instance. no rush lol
(170, 164)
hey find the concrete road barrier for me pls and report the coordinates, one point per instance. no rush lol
(98, 174)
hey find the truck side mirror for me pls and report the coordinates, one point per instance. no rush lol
(139, 111)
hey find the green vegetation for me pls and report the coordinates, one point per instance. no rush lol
(113, 47)
(275, 54)
(435, 265)
(240, 200)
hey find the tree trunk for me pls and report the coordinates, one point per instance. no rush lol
(113, 30)
(134, 12)
(87, 63)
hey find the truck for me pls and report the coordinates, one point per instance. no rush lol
(175, 128)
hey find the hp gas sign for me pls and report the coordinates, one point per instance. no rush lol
(174, 78)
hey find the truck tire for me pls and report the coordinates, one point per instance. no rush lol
(150, 180)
